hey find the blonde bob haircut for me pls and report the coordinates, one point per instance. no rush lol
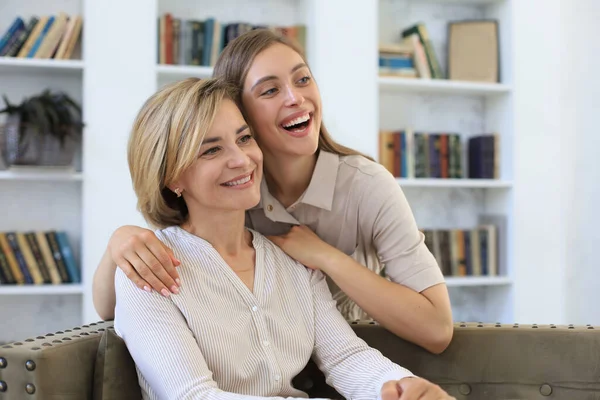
(165, 140)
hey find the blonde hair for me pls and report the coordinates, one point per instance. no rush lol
(235, 61)
(164, 141)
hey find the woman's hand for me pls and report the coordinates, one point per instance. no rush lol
(303, 245)
(413, 388)
(145, 259)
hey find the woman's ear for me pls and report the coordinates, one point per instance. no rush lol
(175, 188)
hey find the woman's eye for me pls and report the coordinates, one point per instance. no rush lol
(270, 91)
(305, 79)
(246, 138)
(211, 151)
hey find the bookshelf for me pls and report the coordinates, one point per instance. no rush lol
(120, 71)
(8, 64)
(41, 198)
(466, 108)
(36, 290)
(478, 281)
(40, 175)
(438, 86)
(165, 72)
(454, 183)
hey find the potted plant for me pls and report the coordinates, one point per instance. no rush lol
(44, 130)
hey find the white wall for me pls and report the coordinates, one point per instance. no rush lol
(540, 144)
(118, 90)
(558, 179)
(580, 101)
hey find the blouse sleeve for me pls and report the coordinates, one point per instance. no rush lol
(386, 217)
(163, 347)
(354, 369)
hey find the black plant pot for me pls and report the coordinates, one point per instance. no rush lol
(22, 144)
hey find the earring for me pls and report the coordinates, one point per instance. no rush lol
(178, 192)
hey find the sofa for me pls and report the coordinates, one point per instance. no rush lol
(483, 361)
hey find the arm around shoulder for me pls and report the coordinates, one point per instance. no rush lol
(103, 287)
(145, 260)
(389, 220)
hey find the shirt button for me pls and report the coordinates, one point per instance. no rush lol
(277, 378)
(269, 207)
(254, 308)
(265, 342)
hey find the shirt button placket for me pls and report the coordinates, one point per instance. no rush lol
(266, 344)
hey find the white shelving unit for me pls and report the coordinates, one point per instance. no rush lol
(182, 71)
(438, 86)
(119, 72)
(454, 281)
(9, 64)
(34, 290)
(41, 175)
(454, 183)
(467, 108)
(39, 198)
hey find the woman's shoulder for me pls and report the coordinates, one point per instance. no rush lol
(172, 235)
(362, 172)
(274, 254)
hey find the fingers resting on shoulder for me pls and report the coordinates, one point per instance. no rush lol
(146, 260)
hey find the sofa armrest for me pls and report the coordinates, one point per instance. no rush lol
(53, 366)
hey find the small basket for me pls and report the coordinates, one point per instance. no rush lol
(26, 145)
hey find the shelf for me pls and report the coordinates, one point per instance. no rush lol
(11, 64)
(460, 281)
(40, 174)
(454, 183)
(183, 71)
(40, 289)
(441, 86)
(463, 2)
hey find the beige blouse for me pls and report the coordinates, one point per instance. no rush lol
(356, 205)
(219, 340)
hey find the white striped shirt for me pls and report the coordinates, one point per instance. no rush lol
(216, 339)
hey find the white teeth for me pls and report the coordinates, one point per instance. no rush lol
(239, 181)
(298, 120)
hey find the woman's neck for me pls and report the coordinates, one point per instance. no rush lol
(288, 176)
(225, 231)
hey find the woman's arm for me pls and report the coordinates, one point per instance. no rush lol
(146, 261)
(415, 305)
(353, 368)
(423, 318)
(163, 347)
(103, 288)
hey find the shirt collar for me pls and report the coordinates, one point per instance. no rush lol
(322, 184)
(319, 193)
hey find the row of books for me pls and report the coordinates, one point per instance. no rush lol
(412, 57)
(42, 37)
(409, 154)
(465, 252)
(200, 42)
(37, 258)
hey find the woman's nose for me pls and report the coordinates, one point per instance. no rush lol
(294, 97)
(238, 159)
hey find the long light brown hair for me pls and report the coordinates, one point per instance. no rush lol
(235, 61)
(165, 140)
